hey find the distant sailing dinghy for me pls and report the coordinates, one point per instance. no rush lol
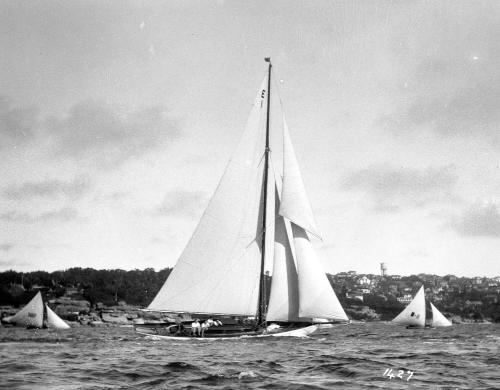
(257, 215)
(31, 316)
(413, 316)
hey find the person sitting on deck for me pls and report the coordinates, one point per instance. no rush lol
(204, 326)
(195, 327)
(210, 321)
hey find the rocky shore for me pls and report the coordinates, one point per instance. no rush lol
(79, 312)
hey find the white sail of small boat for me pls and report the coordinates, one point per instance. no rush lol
(31, 315)
(414, 314)
(221, 270)
(54, 321)
(438, 319)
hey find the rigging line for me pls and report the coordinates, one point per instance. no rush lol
(277, 87)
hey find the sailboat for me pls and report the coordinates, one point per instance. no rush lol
(31, 316)
(259, 214)
(413, 316)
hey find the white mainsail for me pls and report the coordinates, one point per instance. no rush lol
(438, 319)
(414, 313)
(219, 270)
(30, 315)
(54, 321)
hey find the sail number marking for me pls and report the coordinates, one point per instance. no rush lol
(391, 374)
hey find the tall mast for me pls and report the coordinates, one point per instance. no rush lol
(262, 288)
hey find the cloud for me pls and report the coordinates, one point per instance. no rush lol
(452, 88)
(471, 111)
(6, 247)
(96, 130)
(113, 198)
(90, 129)
(17, 124)
(478, 220)
(48, 189)
(393, 189)
(62, 215)
(182, 203)
(13, 263)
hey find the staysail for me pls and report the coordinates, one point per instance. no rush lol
(54, 321)
(219, 270)
(284, 295)
(414, 313)
(295, 204)
(438, 319)
(316, 295)
(30, 315)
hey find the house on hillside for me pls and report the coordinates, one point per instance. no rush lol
(405, 299)
(364, 281)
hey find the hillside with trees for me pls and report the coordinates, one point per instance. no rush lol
(364, 296)
(136, 287)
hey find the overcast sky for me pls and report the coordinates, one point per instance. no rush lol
(117, 119)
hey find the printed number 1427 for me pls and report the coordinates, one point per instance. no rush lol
(390, 373)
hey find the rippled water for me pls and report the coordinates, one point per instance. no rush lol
(347, 357)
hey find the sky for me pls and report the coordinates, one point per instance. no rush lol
(117, 119)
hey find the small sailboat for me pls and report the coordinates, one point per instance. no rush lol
(259, 214)
(31, 316)
(413, 316)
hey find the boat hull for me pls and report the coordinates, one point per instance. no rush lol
(224, 334)
(418, 327)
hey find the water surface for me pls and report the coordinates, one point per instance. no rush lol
(345, 357)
